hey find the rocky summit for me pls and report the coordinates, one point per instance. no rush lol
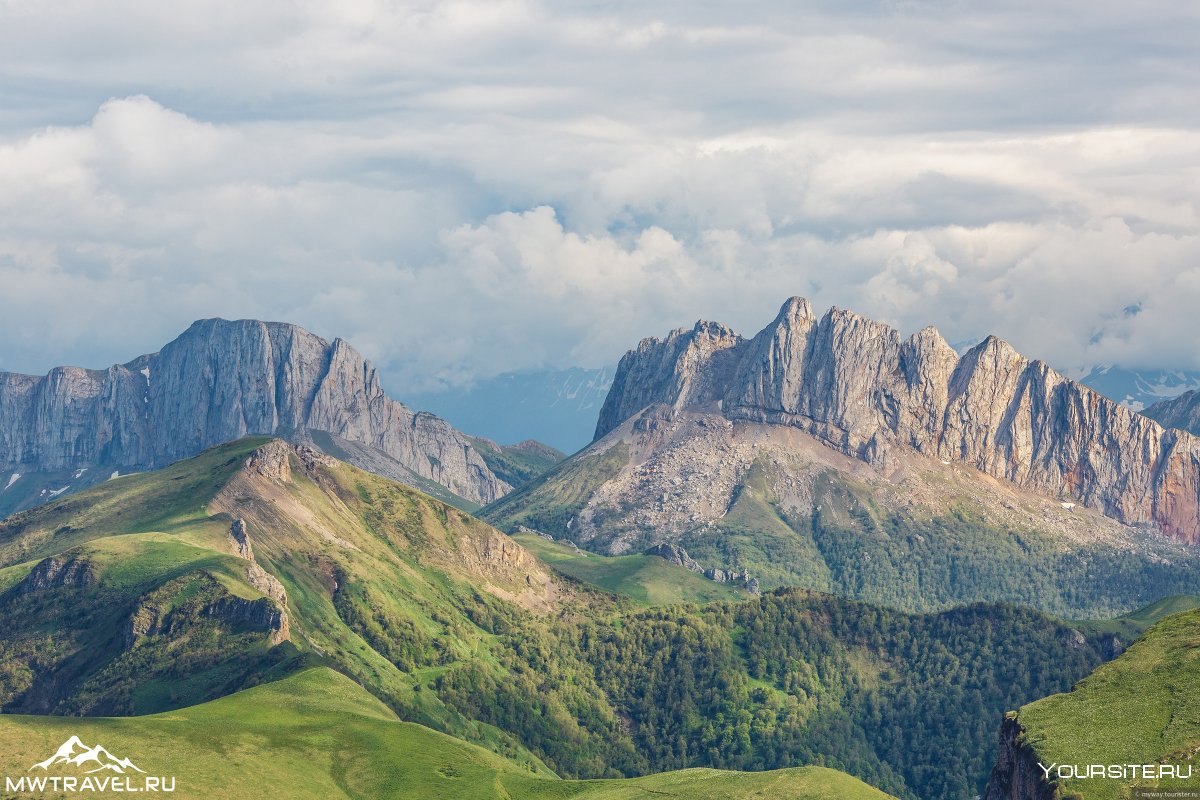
(217, 382)
(860, 387)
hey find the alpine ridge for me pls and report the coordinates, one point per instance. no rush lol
(861, 388)
(1182, 412)
(219, 381)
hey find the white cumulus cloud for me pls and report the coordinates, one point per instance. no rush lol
(461, 188)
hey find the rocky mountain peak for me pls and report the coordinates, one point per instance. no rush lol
(794, 310)
(857, 386)
(219, 381)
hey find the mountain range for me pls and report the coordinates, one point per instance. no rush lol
(825, 544)
(858, 386)
(217, 382)
(262, 562)
(1138, 389)
(834, 453)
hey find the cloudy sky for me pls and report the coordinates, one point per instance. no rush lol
(464, 188)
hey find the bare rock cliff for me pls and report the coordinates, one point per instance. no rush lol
(1016, 774)
(217, 382)
(860, 387)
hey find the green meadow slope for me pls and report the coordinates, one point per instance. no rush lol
(319, 735)
(1142, 708)
(648, 580)
(136, 597)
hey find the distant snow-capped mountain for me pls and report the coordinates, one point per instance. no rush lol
(1138, 389)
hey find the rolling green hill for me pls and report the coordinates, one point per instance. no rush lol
(1132, 625)
(319, 735)
(648, 580)
(1140, 709)
(135, 597)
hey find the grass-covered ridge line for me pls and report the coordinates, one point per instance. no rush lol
(648, 580)
(517, 464)
(549, 502)
(1130, 626)
(173, 499)
(324, 530)
(1142, 708)
(319, 735)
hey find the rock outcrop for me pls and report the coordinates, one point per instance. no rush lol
(1016, 775)
(675, 555)
(259, 578)
(217, 382)
(241, 539)
(160, 612)
(59, 571)
(718, 575)
(860, 387)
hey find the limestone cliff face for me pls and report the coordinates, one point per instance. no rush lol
(860, 387)
(1016, 775)
(220, 381)
(686, 368)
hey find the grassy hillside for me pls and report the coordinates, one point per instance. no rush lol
(549, 502)
(648, 580)
(381, 580)
(1141, 708)
(1132, 625)
(318, 734)
(517, 464)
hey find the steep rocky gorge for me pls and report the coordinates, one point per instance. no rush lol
(217, 382)
(861, 388)
(1016, 775)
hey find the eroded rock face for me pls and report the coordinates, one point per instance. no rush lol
(217, 382)
(858, 386)
(1016, 775)
(60, 571)
(676, 555)
(156, 614)
(241, 539)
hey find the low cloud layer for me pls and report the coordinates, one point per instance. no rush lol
(465, 188)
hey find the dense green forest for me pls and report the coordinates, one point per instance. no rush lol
(911, 703)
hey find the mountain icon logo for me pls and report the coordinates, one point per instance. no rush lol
(92, 759)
